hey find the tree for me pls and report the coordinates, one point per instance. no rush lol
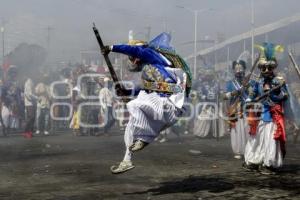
(28, 58)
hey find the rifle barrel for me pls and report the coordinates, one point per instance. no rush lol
(267, 93)
(294, 63)
(106, 58)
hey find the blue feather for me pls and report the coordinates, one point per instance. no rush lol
(269, 50)
(162, 41)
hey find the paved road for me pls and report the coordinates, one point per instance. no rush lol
(65, 167)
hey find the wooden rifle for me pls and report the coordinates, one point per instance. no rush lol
(294, 63)
(108, 63)
(107, 60)
(234, 107)
(267, 94)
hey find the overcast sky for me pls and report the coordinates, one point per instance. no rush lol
(71, 20)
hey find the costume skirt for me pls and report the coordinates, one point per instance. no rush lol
(262, 149)
(149, 115)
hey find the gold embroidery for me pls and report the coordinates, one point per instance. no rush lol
(162, 87)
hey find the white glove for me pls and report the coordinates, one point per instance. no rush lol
(248, 100)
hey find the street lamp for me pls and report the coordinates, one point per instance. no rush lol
(196, 12)
(2, 31)
(252, 32)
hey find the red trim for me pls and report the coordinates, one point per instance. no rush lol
(278, 119)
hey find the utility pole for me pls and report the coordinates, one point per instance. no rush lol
(195, 42)
(148, 33)
(196, 12)
(228, 61)
(215, 55)
(3, 47)
(252, 32)
(165, 24)
(49, 29)
(2, 29)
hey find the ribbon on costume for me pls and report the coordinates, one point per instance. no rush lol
(278, 119)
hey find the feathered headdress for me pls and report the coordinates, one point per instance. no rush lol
(134, 42)
(137, 42)
(239, 62)
(268, 52)
(162, 41)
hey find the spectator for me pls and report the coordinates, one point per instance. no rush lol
(106, 102)
(43, 108)
(30, 107)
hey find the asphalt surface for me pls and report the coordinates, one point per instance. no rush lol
(67, 167)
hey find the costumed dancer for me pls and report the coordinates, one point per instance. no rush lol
(237, 123)
(293, 111)
(265, 148)
(166, 81)
(106, 101)
(207, 91)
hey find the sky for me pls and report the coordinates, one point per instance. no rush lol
(70, 21)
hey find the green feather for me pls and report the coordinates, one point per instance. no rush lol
(179, 62)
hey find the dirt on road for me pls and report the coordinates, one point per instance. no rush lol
(66, 167)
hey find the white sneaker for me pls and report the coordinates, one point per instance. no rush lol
(37, 132)
(238, 157)
(122, 167)
(138, 145)
(163, 140)
(46, 132)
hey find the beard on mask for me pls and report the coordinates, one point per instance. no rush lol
(239, 75)
(134, 64)
(268, 75)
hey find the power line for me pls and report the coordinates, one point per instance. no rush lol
(49, 29)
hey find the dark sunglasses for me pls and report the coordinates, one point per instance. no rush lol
(265, 68)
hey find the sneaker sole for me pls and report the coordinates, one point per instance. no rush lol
(114, 170)
(267, 173)
(132, 149)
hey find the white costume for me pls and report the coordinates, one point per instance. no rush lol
(240, 130)
(262, 148)
(150, 114)
(165, 78)
(239, 136)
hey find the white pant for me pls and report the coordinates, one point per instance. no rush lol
(261, 148)
(204, 122)
(149, 115)
(9, 120)
(239, 136)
